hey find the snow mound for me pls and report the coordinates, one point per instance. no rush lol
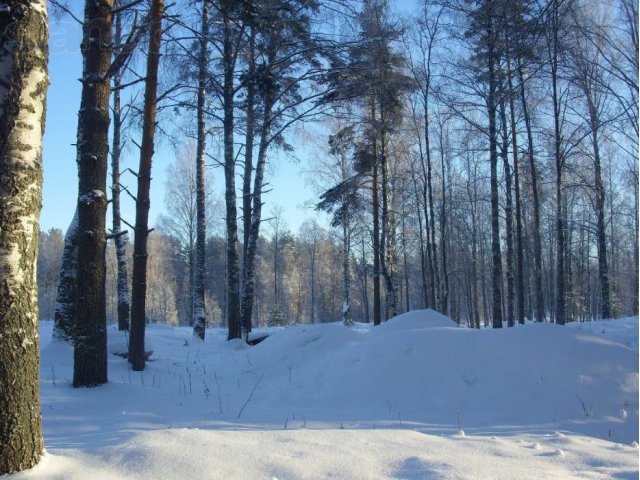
(534, 401)
(414, 320)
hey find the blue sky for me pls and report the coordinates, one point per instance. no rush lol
(289, 188)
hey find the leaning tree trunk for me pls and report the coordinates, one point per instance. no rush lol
(199, 310)
(139, 282)
(119, 237)
(23, 85)
(90, 353)
(65, 309)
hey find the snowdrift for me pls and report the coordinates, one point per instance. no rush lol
(416, 397)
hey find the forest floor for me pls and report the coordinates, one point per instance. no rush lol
(416, 398)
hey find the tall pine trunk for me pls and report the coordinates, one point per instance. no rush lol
(119, 238)
(139, 282)
(90, 353)
(23, 85)
(199, 311)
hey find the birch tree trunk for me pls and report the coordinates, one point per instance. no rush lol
(90, 352)
(199, 311)
(139, 282)
(23, 85)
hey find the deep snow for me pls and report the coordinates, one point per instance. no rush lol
(414, 398)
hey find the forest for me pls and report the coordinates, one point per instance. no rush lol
(478, 158)
(533, 218)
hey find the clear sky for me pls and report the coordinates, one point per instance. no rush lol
(289, 188)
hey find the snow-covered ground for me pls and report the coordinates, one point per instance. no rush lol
(414, 398)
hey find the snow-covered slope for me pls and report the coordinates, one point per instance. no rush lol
(320, 401)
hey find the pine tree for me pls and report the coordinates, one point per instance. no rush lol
(137, 354)
(90, 352)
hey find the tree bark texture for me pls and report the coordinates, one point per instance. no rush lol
(90, 352)
(23, 85)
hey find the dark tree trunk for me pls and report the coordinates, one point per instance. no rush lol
(516, 174)
(559, 163)
(233, 267)
(65, 308)
(24, 81)
(376, 227)
(511, 293)
(427, 200)
(120, 240)
(249, 271)
(139, 282)
(496, 256)
(444, 297)
(90, 353)
(199, 309)
(603, 266)
(346, 252)
(539, 311)
(248, 152)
